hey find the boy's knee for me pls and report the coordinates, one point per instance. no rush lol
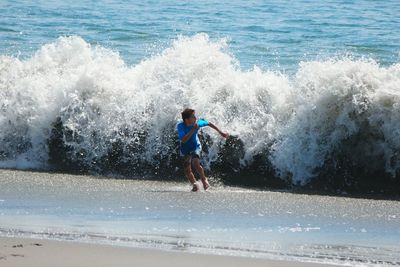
(198, 167)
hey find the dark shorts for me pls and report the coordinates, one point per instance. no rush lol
(187, 159)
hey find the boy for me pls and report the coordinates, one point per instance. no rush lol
(190, 147)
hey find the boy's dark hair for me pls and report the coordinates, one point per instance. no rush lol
(187, 113)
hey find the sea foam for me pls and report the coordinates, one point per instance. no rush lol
(73, 106)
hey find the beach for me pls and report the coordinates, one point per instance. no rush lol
(20, 252)
(127, 216)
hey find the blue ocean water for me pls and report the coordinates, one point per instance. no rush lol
(273, 35)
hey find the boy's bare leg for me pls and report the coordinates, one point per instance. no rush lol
(200, 170)
(189, 174)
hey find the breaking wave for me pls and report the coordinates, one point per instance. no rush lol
(334, 124)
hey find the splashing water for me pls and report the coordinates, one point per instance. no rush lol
(73, 106)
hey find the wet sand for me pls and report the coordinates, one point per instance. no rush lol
(146, 223)
(19, 252)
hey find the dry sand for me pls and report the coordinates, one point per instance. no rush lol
(18, 252)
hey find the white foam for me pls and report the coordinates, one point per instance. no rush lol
(94, 91)
(335, 98)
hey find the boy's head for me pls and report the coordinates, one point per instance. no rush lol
(188, 116)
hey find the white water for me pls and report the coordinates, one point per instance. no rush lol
(299, 120)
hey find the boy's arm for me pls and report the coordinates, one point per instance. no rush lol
(190, 133)
(212, 125)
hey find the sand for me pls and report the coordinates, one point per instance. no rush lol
(19, 252)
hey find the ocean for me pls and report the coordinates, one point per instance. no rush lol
(273, 35)
(308, 90)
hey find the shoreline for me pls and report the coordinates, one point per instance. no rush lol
(228, 221)
(20, 252)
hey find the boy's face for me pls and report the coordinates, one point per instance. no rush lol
(191, 120)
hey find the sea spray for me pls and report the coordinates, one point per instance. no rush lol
(345, 125)
(77, 107)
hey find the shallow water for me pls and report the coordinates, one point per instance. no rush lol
(225, 220)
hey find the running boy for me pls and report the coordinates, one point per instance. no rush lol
(190, 147)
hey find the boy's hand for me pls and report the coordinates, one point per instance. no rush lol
(225, 135)
(195, 126)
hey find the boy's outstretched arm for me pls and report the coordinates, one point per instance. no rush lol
(223, 134)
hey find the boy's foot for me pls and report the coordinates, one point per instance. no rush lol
(206, 185)
(195, 188)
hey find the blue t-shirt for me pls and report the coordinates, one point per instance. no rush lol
(193, 143)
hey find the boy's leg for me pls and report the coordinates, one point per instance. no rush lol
(200, 170)
(188, 171)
